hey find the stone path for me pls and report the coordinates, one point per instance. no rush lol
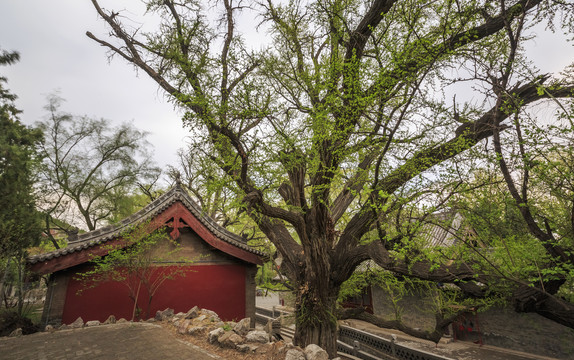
(141, 341)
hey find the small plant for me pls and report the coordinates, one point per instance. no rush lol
(10, 320)
(134, 263)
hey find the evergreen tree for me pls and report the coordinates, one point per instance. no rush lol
(19, 221)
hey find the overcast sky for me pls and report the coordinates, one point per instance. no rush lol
(56, 55)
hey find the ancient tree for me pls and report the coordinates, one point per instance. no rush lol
(89, 167)
(20, 226)
(336, 124)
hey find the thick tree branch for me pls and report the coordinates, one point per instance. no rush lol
(466, 136)
(435, 335)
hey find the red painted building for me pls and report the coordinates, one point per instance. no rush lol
(221, 276)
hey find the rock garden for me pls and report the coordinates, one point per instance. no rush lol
(230, 340)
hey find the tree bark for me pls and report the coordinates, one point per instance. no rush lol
(532, 299)
(3, 296)
(315, 311)
(433, 335)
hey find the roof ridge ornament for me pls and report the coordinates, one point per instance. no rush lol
(178, 179)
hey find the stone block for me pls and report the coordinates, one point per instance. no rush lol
(247, 348)
(242, 327)
(264, 349)
(79, 323)
(50, 328)
(196, 330)
(192, 313)
(212, 315)
(295, 354)
(164, 315)
(214, 335)
(315, 352)
(257, 336)
(182, 327)
(16, 333)
(232, 341)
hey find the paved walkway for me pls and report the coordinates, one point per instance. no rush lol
(141, 341)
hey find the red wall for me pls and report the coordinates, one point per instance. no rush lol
(220, 288)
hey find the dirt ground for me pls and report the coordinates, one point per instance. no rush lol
(500, 327)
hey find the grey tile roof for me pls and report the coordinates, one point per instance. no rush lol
(442, 229)
(176, 193)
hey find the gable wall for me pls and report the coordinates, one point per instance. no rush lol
(192, 248)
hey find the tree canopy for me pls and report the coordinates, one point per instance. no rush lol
(19, 221)
(19, 226)
(90, 168)
(345, 119)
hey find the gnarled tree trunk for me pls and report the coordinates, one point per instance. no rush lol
(316, 319)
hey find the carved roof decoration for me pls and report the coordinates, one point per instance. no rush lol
(175, 194)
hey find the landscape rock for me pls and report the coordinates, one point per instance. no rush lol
(242, 327)
(93, 323)
(121, 321)
(279, 349)
(295, 354)
(16, 333)
(196, 330)
(247, 348)
(231, 341)
(201, 318)
(182, 327)
(50, 328)
(214, 335)
(211, 314)
(77, 324)
(164, 315)
(257, 336)
(110, 320)
(223, 337)
(314, 352)
(151, 320)
(264, 349)
(192, 313)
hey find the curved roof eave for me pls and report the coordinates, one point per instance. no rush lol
(152, 210)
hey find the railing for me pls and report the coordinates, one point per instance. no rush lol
(359, 344)
(369, 346)
(271, 313)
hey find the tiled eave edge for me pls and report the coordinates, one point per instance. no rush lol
(156, 207)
